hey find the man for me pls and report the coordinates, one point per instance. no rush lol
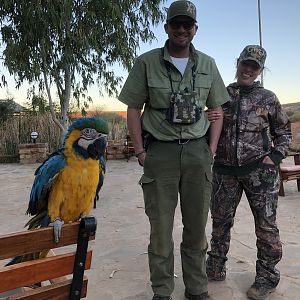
(173, 85)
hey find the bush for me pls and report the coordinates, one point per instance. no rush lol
(295, 117)
(17, 129)
(7, 108)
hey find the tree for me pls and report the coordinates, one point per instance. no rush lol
(2, 81)
(73, 44)
(7, 108)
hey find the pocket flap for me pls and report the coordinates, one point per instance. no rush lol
(144, 179)
(208, 176)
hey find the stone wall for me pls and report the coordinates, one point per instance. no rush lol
(116, 149)
(37, 153)
(33, 153)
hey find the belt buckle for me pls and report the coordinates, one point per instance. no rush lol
(183, 141)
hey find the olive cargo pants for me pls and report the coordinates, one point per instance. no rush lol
(170, 169)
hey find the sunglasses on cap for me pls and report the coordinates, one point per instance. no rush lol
(176, 24)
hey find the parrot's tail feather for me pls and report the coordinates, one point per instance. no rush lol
(27, 257)
(14, 261)
(39, 220)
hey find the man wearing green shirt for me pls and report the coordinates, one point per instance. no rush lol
(173, 85)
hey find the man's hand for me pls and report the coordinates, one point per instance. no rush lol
(141, 159)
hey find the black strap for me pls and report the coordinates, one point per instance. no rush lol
(168, 67)
(87, 228)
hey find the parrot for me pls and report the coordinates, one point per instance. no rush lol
(66, 182)
(102, 168)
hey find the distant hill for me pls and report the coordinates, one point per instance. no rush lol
(294, 107)
(118, 112)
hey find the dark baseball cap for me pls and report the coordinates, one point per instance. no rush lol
(255, 53)
(182, 8)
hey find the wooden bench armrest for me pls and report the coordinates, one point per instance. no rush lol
(287, 168)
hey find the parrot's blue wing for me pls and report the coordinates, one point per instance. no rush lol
(102, 162)
(44, 177)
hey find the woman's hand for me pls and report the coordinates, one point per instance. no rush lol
(212, 115)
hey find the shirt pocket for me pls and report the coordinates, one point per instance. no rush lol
(159, 92)
(202, 86)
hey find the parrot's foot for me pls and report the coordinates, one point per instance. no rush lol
(57, 224)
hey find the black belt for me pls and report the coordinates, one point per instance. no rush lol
(178, 141)
(181, 141)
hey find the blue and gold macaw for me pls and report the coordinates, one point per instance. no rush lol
(65, 184)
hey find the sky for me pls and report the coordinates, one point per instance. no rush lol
(225, 27)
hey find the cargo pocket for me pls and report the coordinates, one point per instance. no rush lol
(147, 185)
(208, 191)
(208, 176)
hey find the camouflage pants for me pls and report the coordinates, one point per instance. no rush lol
(261, 189)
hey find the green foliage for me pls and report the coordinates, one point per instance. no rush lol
(3, 81)
(38, 103)
(289, 113)
(72, 44)
(7, 108)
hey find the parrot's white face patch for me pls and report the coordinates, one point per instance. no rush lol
(89, 134)
(84, 143)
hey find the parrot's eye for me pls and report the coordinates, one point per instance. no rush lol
(89, 134)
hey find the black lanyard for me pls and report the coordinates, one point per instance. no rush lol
(168, 67)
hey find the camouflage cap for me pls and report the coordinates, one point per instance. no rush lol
(255, 53)
(182, 8)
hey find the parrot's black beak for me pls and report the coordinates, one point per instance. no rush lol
(97, 149)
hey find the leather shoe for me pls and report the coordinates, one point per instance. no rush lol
(159, 297)
(202, 296)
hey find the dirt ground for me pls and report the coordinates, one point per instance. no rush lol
(120, 266)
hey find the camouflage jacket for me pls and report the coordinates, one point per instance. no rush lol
(254, 126)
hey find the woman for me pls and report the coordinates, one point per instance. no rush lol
(254, 139)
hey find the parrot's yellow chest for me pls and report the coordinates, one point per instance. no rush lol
(74, 190)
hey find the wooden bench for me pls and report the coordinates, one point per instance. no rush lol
(54, 271)
(290, 172)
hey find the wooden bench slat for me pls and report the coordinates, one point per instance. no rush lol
(57, 291)
(290, 176)
(12, 277)
(19, 243)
